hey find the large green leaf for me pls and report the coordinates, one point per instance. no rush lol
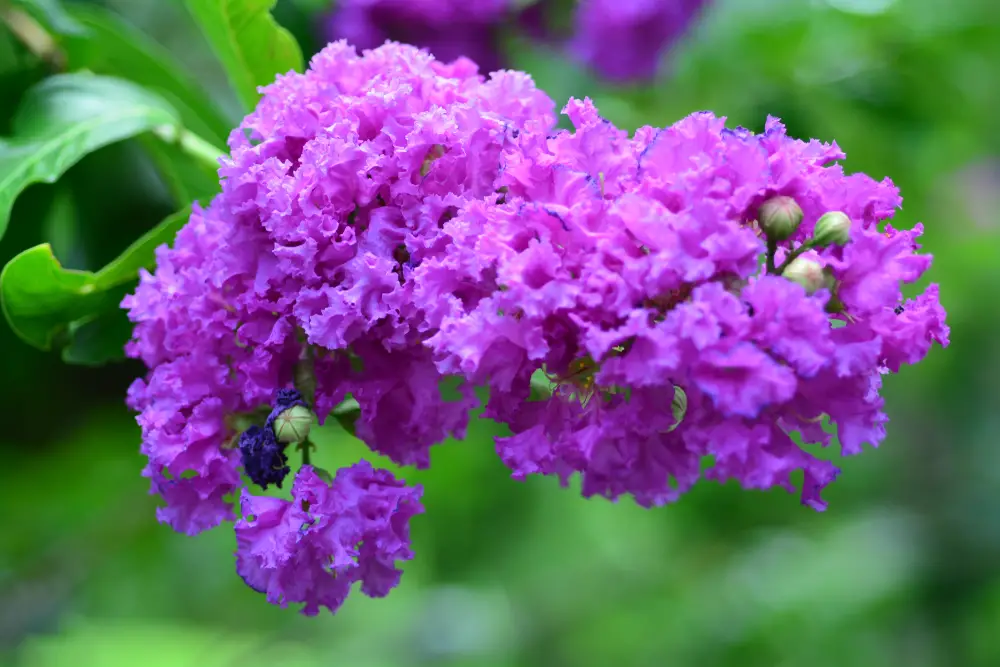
(112, 46)
(51, 307)
(252, 46)
(66, 117)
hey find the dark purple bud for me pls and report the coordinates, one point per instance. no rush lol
(264, 458)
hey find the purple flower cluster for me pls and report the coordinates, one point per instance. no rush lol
(389, 224)
(338, 185)
(621, 40)
(630, 269)
(312, 550)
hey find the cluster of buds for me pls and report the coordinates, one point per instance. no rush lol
(263, 447)
(780, 218)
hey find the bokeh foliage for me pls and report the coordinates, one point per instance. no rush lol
(901, 569)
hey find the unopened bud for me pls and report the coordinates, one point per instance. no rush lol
(679, 406)
(832, 228)
(779, 217)
(807, 273)
(293, 424)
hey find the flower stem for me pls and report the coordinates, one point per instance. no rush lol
(772, 250)
(191, 144)
(305, 446)
(34, 37)
(792, 255)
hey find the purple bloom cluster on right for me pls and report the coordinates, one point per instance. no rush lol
(628, 270)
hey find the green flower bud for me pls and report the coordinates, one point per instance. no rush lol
(807, 273)
(679, 406)
(833, 227)
(293, 424)
(779, 217)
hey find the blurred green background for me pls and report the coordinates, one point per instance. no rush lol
(904, 568)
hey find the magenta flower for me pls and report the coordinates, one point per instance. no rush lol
(300, 271)
(629, 271)
(390, 225)
(313, 549)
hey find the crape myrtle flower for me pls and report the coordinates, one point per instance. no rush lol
(313, 548)
(620, 40)
(620, 270)
(390, 225)
(300, 272)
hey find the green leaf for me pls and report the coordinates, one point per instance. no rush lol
(61, 226)
(142, 253)
(347, 414)
(51, 307)
(40, 298)
(99, 340)
(252, 46)
(63, 119)
(312, 6)
(112, 46)
(541, 386)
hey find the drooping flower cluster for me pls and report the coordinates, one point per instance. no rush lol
(337, 186)
(621, 40)
(388, 223)
(314, 549)
(631, 269)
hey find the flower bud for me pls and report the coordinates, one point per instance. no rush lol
(807, 273)
(779, 217)
(293, 424)
(679, 406)
(833, 227)
(263, 457)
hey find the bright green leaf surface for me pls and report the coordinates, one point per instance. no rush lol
(114, 47)
(53, 307)
(347, 414)
(40, 297)
(66, 117)
(252, 46)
